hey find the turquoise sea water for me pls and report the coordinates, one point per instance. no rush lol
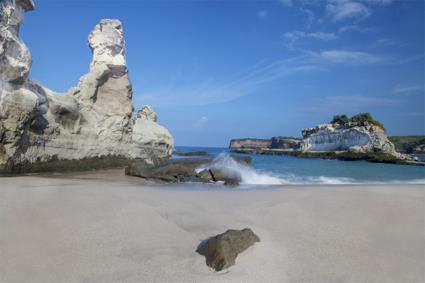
(316, 171)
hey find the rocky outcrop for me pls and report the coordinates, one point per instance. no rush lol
(221, 250)
(284, 143)
(94, 122)
(332, 137)
(287, 143)
(196, 169)
(361, 138)
(191, 153)
(249, 143)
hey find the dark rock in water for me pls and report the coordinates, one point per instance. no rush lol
(221, 251)
(242, 159)
(193, 153)
(184, 170)
(232, 182)
(172, 171)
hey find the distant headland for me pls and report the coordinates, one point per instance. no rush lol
(357, 138)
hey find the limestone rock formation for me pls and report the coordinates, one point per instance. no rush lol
(249, 143)
(93, 125)
(147, 113)
(287, 143)
(355, 138)
(221, 250)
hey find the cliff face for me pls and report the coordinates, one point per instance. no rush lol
(95, 121)
(249, 143)
(285, 143)
(355, 138)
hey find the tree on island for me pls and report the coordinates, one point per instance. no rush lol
(340, 119)
(358, 119)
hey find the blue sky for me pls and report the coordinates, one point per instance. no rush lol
(216, 70)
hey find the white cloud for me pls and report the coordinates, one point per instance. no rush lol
(287, 3)
(310, 17)
(211, 91)
(348, 57)
(316, 35)
(340, 10)
(355, 28)
(408, 89)
(262, 14)
(201, 122)
(407, 60)
(347, 103)
(293, 37)
(380, 2)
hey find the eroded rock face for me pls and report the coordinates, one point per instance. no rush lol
(147, 113)
(94, 122)
(249, 143)
(332, 137)
(221, 250)
(287, 143)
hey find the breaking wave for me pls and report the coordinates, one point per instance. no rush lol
(251, 176)
(246, 174)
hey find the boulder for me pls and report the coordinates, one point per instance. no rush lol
(94, 123)
(242, 159)
(194, 169)
(221, 250)
(171, 171)
(191, 153)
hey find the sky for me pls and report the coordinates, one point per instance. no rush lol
(217, 70)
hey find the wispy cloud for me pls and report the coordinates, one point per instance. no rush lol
(294, 36)
(407, 60)
(380, 2)
(262, 14)
(388, 42)
(348, 57)
(310, 16)
(409, 89)
(287, 3)
(211, 91)
(347, 104)
(201, 122)
(340, 10)
(355, 28)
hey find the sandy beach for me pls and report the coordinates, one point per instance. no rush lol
(106, 227)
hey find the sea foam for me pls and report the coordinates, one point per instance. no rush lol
(246, 174)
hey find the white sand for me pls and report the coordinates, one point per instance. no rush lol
(111, 228)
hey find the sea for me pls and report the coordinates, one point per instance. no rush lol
(281, 169)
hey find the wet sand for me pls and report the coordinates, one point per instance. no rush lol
(106, 227)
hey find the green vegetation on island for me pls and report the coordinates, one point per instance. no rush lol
(361, 118)
(409, 144)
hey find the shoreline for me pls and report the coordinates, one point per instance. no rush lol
(332, 155)
(118, 175)
(107, 227)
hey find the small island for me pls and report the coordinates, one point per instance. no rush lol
(360, 137)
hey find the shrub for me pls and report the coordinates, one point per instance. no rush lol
(361, 118)
(340, 119)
